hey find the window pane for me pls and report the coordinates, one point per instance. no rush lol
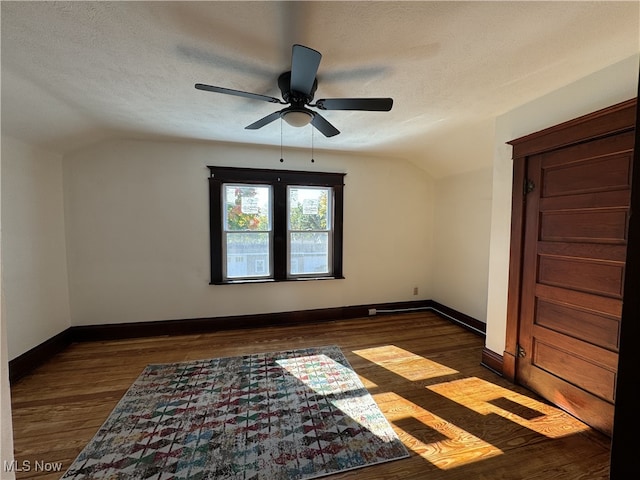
(247, 207)
(248, 255)
(309, 208)
(309, 253)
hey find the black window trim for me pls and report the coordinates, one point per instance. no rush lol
(279, 181)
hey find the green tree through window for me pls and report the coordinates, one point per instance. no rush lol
(243, 209)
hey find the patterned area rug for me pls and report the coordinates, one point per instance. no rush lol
(297, 414)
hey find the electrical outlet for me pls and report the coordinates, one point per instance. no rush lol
(372, 311)
(415, 290)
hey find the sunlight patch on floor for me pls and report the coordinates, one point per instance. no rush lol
(320, 373)
(332, 379)
(368, 384)
(404, 363)
(440, 441)
(486, 398)
(433, 438)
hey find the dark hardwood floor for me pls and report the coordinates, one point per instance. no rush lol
(458, 419)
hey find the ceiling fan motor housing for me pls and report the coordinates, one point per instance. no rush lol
(291, 96)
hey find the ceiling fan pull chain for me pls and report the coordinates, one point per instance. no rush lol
(281, 157)
(312, 160)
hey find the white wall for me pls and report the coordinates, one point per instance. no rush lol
(461, 241)
(6, 425)
(609, 86)
(34, 261)
(138, 238)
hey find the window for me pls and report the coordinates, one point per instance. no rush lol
(274, 225)
(309, 230)
(247, 232)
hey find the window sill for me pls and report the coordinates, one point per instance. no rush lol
(273, 280)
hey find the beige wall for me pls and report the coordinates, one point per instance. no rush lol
(6, 426)
(461, 241)
(34, 260)
(138, 240)
(607, 87)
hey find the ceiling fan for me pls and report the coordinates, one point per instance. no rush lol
(298, 87)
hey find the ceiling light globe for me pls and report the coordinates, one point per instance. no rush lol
(297, 118)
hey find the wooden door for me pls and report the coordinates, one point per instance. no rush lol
(574, 221)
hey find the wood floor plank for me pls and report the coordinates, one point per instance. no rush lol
(458, 419)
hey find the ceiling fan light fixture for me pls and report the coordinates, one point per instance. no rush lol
(297, 118)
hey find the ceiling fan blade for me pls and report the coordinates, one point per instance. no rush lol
(264, 121)
(304, 66)
(324, 126)
(365, 104)
(238, 93)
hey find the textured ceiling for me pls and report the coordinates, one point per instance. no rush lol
(77, 72)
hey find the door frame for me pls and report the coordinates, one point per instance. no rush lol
(626, 423)
(612, 120)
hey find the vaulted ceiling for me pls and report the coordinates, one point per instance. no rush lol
(78, 72)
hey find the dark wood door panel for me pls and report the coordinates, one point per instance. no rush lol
(585, 275)
(591, 353)
(591, 326)
(581, 373)
(614, 198)
(601, 147)
(604, 305)
(612, 172)
(597, 225)
(589, 408)
(595, 251)
(584, 365)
